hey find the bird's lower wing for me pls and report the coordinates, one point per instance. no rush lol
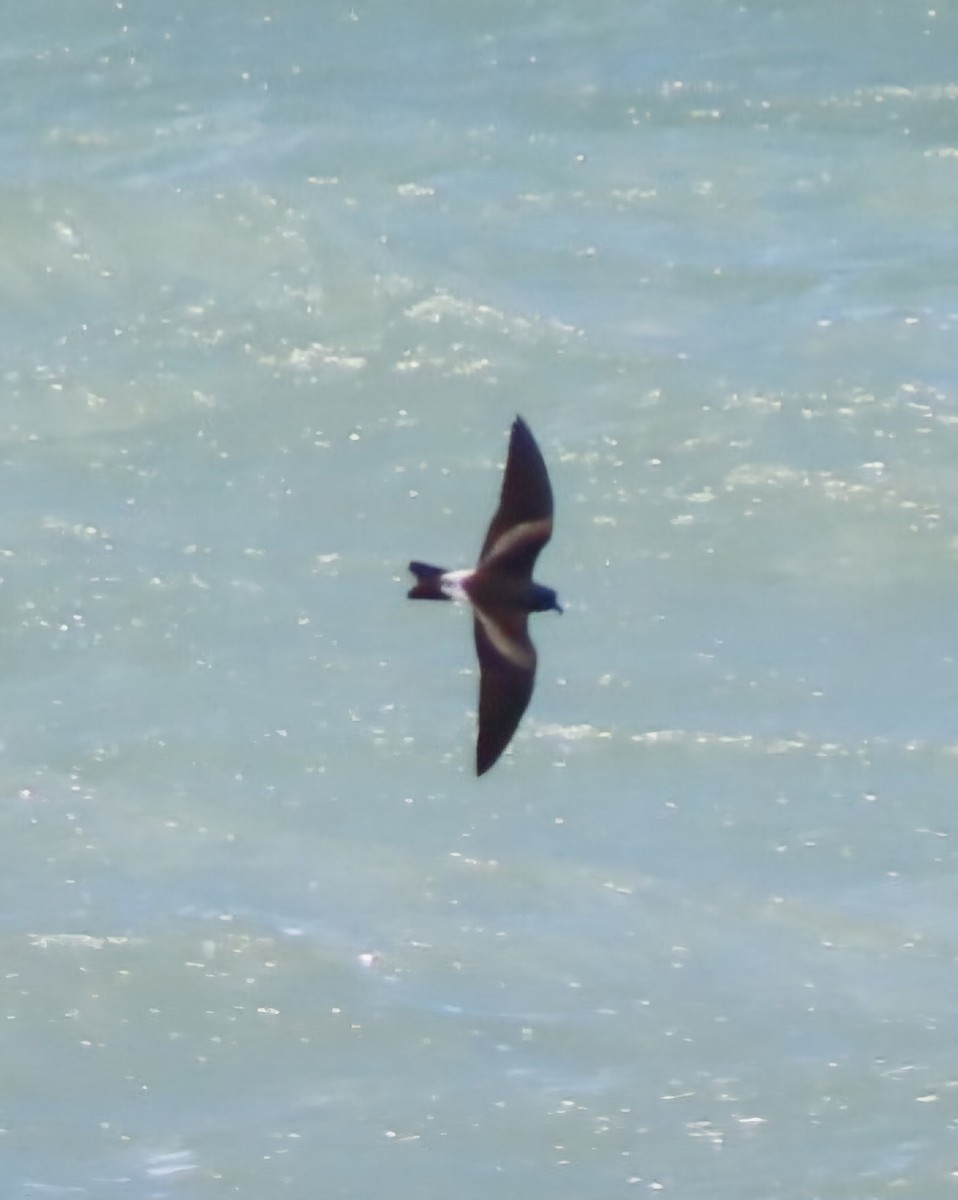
(507, 672)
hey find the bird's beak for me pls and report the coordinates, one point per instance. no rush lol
(558, 607)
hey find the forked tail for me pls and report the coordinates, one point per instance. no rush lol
(427, 582)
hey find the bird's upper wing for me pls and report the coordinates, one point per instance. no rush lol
(523, 521)
(507, 673)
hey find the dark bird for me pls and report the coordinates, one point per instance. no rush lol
(502, 594)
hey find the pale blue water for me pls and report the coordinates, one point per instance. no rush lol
(274, 283)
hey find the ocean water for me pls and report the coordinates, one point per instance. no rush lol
(275, 280)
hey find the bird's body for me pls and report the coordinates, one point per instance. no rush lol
(502, 593)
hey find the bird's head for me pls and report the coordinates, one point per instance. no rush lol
(544, 599)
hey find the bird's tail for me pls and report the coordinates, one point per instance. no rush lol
(427, 582)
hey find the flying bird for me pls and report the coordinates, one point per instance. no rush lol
(502, 594)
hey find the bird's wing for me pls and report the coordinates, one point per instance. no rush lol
(507, 672)
(523, 521)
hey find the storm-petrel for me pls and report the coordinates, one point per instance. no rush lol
(502, 594)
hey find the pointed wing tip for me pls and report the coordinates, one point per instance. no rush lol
(520, 423)
(522, 438)
(485, 762)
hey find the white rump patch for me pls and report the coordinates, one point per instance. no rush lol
(451, 585)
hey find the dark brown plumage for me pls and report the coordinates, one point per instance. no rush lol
(502, 593)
